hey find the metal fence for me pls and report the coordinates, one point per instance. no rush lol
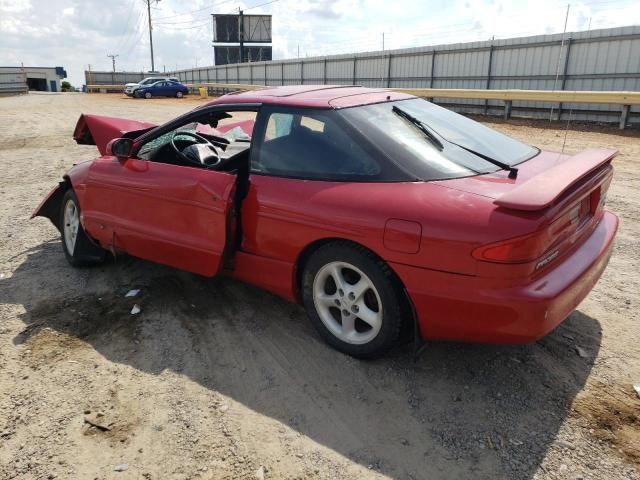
(607, 59)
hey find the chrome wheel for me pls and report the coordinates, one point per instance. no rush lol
(71, 225)
(147, 95)
(347, 303)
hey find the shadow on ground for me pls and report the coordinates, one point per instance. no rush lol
(459, 411)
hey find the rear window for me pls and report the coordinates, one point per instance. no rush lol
(409, 147)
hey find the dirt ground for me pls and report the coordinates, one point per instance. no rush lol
(215, 379)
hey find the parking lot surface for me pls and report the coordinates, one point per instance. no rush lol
(215, 379)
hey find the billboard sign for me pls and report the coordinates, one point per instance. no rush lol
(254, 28)
(225, 55)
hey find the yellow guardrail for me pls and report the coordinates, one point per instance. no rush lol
(623, 98)
(564, 96)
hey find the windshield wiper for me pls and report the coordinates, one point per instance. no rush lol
(513, 172)
(420, 126)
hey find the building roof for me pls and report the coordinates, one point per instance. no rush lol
(317, 96)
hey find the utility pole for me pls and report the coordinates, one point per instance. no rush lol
(564, 32)
(383, 41)
(113, 60)
(153, 65)
(241, 34)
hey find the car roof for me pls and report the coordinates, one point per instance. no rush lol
(317, 96)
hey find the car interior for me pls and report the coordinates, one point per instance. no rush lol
(306, 146)
(200, 145)
(328, 151)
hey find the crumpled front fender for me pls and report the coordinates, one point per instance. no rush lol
(50, 206)
(75, 178)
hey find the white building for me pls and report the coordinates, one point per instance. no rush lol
(15, 80)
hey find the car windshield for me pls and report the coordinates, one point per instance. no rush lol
(410, 147)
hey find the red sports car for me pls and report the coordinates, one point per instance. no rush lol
(382, 213)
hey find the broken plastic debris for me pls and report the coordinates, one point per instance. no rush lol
(136, 309)
(581, 352)
(636, 387)
(132, 293)
(121, 468)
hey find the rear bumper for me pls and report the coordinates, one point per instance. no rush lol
(477, 309)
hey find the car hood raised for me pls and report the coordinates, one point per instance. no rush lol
(98, 130)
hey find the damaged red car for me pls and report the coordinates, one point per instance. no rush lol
(382, 213)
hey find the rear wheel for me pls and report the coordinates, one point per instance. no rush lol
(179, 94)
(78, 248)
(353, 300)
(147, 95)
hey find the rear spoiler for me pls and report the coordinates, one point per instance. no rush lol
(542, 190)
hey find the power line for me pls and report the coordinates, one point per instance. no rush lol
(135, 37)
(134, 34)
(124, 33)
(195, 11)
(262, 4)
(197, 19)
(199, 25)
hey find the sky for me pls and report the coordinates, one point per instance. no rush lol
(78, 33)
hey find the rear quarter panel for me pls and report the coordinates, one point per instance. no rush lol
(282, 216)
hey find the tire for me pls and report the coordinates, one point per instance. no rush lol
(78, 248)
(361, 313)
(179, 94)
(147, 95)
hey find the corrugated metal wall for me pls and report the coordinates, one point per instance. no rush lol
(113, 78)
(607, 59)
(13, 81)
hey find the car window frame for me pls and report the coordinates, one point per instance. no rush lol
(387, 167)
(192, 116)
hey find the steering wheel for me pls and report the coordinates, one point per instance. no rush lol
(201, 153)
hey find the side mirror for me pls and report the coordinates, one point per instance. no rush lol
(120, 147)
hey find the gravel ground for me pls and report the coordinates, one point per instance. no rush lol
(215, 379)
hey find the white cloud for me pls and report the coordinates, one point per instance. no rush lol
(75, 33)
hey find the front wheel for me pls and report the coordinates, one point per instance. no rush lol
(147, 95)
(353, 300)
(78, 248)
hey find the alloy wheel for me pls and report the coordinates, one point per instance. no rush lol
(71, 225)
(347, 303)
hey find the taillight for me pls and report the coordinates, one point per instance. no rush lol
(515, 250)
(528, 248)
